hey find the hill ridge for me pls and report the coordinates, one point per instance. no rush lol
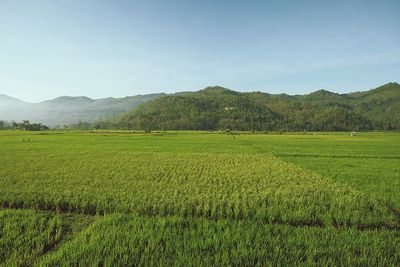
(219, 108)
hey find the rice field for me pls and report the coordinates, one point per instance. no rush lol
(25, 235)
(199, 198)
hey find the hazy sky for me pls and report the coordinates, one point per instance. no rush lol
(120, 47)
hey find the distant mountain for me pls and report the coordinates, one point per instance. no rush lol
(68, 110)
(220, 108)
(6, 100)
(70, 100)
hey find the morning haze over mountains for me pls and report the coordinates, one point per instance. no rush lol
(67, 110)
(217, 108)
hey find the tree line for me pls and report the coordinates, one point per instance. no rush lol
(24, 125)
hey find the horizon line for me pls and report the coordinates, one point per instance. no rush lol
(188, 91)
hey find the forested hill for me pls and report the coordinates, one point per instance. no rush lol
(219, 108)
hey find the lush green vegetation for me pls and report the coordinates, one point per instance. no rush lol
(219, 108)
(201, 198)
(128, 240)
(25, 235)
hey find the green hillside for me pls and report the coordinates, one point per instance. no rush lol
(218, 108)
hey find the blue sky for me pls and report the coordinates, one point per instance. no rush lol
(118, 47)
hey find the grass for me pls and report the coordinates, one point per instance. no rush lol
(298, 199)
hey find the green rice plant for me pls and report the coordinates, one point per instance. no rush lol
(25, 235)
(125, 240)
